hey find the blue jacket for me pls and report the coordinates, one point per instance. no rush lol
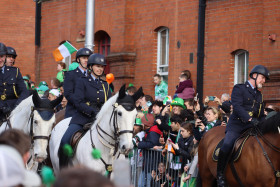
(247, 103)
(88, 98)
(12, 87)
(69, 89)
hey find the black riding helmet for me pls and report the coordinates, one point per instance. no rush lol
(3, 49)
(11, 51)
(83, 52)
(260, 69)
(96, 59)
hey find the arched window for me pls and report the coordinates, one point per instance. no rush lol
(163, 52)
(103, 41)
(241, 62)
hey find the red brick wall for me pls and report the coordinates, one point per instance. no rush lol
(18, 31)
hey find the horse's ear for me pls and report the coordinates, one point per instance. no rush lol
(138, 94)
(57, 101)
(122, 92)
(36, 98)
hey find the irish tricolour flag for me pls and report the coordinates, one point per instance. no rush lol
(63, 51)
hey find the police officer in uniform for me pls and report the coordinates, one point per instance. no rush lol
(11, 56)
(12, 87)
(248, 110)
(91, 93)
(71, 78)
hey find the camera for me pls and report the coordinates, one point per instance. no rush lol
(225, 119)
(203, 120)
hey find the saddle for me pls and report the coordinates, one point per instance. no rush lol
(75, 139)
(237, 148)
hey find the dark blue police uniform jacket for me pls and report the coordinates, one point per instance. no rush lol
(89, 97)
(69, 89)
(12, 87)
(247, 103)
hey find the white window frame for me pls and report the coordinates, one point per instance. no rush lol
(164, 74)
(236, 64)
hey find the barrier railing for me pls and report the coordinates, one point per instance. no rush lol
(151, 169)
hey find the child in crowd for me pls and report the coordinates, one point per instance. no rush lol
(185, 89)
(159, 179)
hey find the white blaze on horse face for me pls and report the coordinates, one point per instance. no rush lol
(279, 130)
(125, 123)
(41, 128)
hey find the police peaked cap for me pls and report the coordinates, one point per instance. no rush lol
(3, 49)
(83, 52)
(11, 51)
(96, 59)
(260, 69)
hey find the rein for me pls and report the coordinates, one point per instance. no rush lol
(115, 138)
(275, 148)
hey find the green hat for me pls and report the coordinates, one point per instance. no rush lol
(43, 83)
(178, 102)
(73, 66)
(130, 84)
(138, 122)
(42, 88)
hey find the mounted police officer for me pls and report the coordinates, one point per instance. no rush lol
(71, 77)
(12, 87)
(11, 56)
(91, 93)
(248, 110)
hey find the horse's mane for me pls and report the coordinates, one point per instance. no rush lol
(270, 125)
(105, 108)
(26, 103)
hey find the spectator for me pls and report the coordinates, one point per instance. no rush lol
(61, 89)
(159, 178)
(177, 105)
(73, 66)
(53, 94)
(161, 88)
(185, 89)
(270, 111)
(17, 139)
(146, 103)
(55, 83)
(161, 120)
(226, 110)
(12, 170)
(131, 90)
(81, 176)
(189, 103)
(32, 85)
(61, 68)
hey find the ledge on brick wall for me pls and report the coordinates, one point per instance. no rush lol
(274, 75)
(122, 65)
(271, 88)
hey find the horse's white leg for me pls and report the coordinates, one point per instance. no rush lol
(55, 139)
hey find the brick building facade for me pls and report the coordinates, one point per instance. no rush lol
(134, 34)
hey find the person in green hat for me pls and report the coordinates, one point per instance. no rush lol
(177, 105)
(43, 83)
(61, 68)
(138, 127)
(26, 82)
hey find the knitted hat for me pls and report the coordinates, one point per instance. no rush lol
(178, 102)
(148, 120)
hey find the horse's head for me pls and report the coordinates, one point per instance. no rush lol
(124, 118)
(42, 121)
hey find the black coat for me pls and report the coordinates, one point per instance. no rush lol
(247, 103)
(88, 98)
(69, 89)
(12, 87)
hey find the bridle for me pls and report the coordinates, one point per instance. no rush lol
(113, 146)
(117, 132)
(31, 124)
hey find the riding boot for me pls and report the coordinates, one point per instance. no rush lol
(63, 159)
(221, 167)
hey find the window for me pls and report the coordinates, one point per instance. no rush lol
(241, 66)
(104, 42)
(163, 52)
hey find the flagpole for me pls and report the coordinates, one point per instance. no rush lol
(90, 25)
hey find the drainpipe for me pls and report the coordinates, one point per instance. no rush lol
(38, 24)
(200, 50)
(90, 25)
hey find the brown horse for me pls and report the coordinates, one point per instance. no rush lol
(253, 167)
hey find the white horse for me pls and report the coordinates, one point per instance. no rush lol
(111, 133)
(35, 117)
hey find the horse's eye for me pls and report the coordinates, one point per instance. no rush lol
(119, 113)
(35, 121)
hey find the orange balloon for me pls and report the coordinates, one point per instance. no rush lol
(110, 78)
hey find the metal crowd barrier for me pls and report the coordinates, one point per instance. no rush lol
(151, 169)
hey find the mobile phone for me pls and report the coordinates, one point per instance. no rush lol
(195, 98)
(225, 119)
(211, 98)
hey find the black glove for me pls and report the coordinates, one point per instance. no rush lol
(254, 122)
(6, 109)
